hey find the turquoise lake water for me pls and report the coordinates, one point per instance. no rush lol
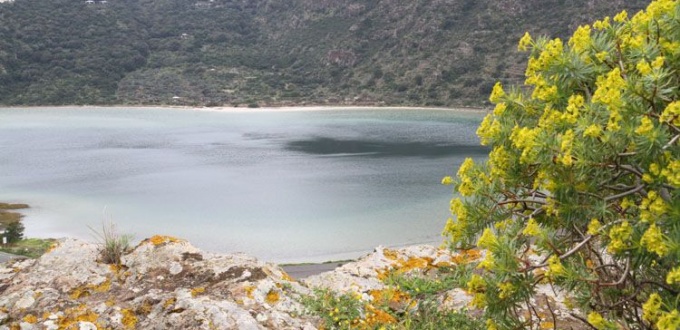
(285, 186)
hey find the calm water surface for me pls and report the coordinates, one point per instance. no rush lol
(285, 186)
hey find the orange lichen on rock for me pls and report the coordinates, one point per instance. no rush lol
(466, 256)
(415, 263)
(161, 239)
(272, 297)
(30, 318)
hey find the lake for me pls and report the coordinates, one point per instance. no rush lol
(282, 185)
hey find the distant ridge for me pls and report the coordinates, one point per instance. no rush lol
(273, 52)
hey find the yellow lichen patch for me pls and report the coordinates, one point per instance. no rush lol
(376, 317)
(30, 318)
(249, 291)
(287, 277)
(272, 297)
(110, 302)
(129, 319)
(467, 256)
(72, 316)
(37, 295)
(547, 325)
(103, 287)
(87, 316)
(390, 254)
(80, 292)
(87, 290)
(169, 303)
(161, 239)
(196, 291)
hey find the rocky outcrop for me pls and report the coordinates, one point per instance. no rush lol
(166, 283)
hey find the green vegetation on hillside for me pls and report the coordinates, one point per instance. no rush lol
(10, 223)
(581, 189)
(240, 52)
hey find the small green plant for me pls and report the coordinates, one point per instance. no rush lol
(336, 311)
(113, 244)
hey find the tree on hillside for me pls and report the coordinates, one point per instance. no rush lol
(581, 186)
(14, 232)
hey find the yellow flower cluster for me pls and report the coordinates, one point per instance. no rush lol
(594, 227)
(488, 239)
(496, 93)
(488, 130)
(651, 309)
(574, 106)
(619, 236)
(524, 42)
(593, 131)
(660, 7)
(672, 173)
(488, 262)
(602, 24)
(653, 241)
(447, 180)
(499, 160)
(646, 127)
(555, 267)
(652, 207)
(643, 67)
(669, 321)
(597, 320)
(580, 41)
(506, 289)
(609, 92)
(566, 147)
(466, 188)
(673, 276)
(476, 284)
(532, 228)
(455, 229)
(525, 139)
(671, 114)
(621, 17)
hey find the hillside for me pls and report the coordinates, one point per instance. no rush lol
(247, 52)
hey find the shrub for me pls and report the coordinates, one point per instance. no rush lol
(584, 173)
(14, 232)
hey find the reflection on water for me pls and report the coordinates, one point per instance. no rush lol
(331, 146)
(261, 182)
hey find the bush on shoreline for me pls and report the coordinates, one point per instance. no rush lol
(581, 186)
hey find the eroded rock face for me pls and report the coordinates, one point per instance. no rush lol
(164, 283)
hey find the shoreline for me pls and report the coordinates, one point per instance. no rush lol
(301, 108)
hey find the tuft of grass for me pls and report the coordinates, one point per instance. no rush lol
(113, 244)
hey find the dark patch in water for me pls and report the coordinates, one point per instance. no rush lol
(367, 148)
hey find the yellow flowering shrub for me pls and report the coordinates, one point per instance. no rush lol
(581, 186)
